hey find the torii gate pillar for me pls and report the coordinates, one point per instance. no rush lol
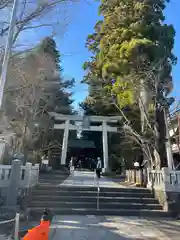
(65, 143)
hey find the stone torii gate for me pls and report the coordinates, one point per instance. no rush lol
(86, 126)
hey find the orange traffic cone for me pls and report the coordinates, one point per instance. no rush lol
(40, 232)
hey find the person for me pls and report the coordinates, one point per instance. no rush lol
(98, 168)
(44, 163)
(79, 164)
(71, 162)
(71, 165)
(93, 164)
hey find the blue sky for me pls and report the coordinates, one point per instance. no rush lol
(71, 41)
(172, 17)
(73, 44)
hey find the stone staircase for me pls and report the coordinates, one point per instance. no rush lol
(54, 177)
(82, 200)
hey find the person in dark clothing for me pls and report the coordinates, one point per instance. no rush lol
(93, 164)
(98, 168)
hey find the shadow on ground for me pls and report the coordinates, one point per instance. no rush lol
(114, 228)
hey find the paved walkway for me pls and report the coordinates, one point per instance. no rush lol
(86, 178)
(104, 227)
(113, 228)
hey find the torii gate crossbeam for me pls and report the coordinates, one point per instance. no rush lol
(104, 128)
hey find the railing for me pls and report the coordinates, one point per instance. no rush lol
(137, 176)
(156, 177)
(164, 178)
(28, 175)
(16, 229)
(98, 190)
(131, 176)
(2, 149)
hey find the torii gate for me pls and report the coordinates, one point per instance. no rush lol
(67, 126)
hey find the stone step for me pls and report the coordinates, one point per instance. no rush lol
(60, 192)
(94, 199)
(59, 171)
(36, 212)
(91, 205)
(53, 174)
(44, 186)
(50, 182)
(49, 176)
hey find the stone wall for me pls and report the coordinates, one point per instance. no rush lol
(161, 195)
(169, 200)
(173, 202)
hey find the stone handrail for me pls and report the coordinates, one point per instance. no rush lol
(155, 176)
(164, 178)
(136, 176)
(2, 149)
(28, 176)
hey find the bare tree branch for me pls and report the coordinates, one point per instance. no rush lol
(5, 3)
(152, 77)
(30, 14)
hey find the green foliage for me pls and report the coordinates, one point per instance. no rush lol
(56, 96)
(125, 42)
(128, 44)
(48, 45)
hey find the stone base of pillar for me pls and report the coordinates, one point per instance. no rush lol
(62, 166)
(149, 185)
(105, 170)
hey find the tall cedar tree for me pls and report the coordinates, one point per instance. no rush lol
(131, 41)
(56, 95)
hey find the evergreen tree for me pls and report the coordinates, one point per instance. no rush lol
(57, 98)
(132, 57)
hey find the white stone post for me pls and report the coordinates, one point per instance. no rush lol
(28, 175)
(14, 185)
(168, 142)
(149, 180)
(65, 143)
(37, 172)
(105, 146)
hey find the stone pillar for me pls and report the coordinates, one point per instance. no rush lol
(28, 174)
(105, 146)
(166, 179)
(14, 185)
(65, 143)
(149, 180)
(168, 141)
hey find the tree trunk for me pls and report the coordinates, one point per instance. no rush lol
(160, 143)
(144, 100)
(24, 142)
